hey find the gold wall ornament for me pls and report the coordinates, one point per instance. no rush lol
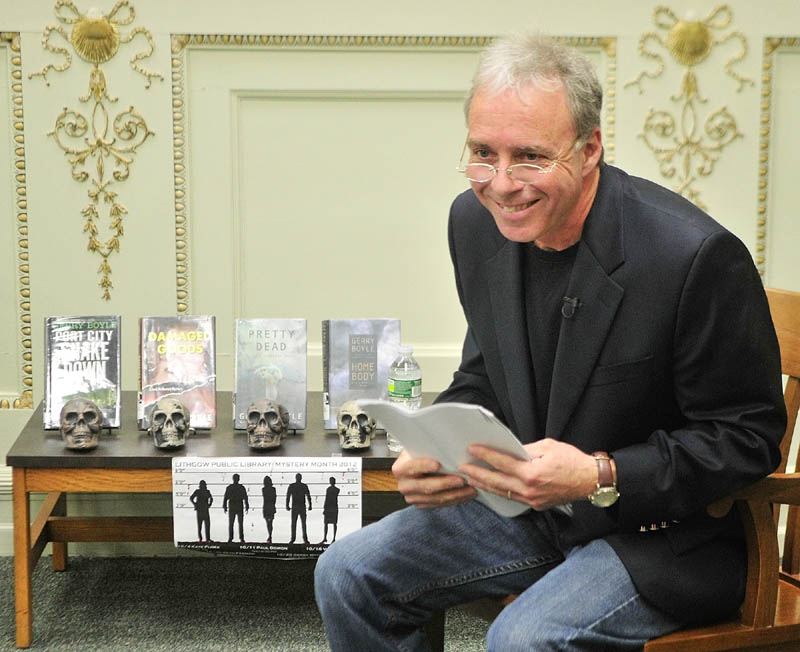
(96, 38)
(678, 143)
(10, 47)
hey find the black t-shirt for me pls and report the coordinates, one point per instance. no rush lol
(546, 277)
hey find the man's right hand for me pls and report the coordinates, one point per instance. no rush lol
(421, 484)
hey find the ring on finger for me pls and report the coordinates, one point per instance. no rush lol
(509, 494)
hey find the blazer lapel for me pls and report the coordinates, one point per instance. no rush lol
(582, 335)
(504, 273)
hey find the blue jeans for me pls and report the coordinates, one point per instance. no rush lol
(377, 587)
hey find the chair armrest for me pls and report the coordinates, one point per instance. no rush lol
(781, 488)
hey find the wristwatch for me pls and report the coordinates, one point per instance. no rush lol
(606, 493)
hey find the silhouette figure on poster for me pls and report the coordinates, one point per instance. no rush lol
(330, 510)
(269, 495)
(202, 500)
(235, 504)
(296, 496)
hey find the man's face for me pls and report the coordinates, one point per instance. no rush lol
(504, 130)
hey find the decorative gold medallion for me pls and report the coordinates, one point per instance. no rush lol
(109, 143)
(95, 37)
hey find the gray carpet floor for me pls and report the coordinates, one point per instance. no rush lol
(183, 604)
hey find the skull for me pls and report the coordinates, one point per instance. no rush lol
(169, 423)
(267, 424)
(81, 421)
(356, 427)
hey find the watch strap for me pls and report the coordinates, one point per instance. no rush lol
(605, 475)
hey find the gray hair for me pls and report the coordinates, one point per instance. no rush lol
(521, 60)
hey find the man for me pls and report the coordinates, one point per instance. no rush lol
(235, 503)
(625, 338)
(296, 496)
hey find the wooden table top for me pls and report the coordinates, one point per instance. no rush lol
(127, 447)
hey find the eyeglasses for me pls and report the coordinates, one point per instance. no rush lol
(523, 172)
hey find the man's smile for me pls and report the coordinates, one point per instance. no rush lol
(515, 208)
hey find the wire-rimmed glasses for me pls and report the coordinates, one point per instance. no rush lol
(523, 172)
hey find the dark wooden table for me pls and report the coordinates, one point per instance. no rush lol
(126, 461)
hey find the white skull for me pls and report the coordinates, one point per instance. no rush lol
(356, 427)
(267, 424)
(169, 423)
(81, 421)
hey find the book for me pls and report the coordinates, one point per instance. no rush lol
(177, 358)
(82, 359)
(270, 361)
(356, 355)
(443, 431)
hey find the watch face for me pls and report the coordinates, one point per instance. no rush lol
(604, 496)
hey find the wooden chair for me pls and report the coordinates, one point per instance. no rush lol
(769, 618)
(770, 615)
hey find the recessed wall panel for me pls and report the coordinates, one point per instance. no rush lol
(318, 184)
(783, 223)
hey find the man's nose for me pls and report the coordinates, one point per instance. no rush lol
(502, 181)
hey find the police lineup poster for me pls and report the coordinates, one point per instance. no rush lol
(280, 508)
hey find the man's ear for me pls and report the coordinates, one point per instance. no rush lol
(592, 151)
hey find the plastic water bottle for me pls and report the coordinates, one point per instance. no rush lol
(404, 387)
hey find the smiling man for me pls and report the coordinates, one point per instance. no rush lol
(624, 336)
(529, 169)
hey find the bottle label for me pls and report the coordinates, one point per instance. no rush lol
(404, 388)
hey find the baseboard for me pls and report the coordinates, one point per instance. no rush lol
(5, 481)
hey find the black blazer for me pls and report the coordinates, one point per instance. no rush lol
(670, 363)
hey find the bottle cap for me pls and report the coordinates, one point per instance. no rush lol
(406, 348)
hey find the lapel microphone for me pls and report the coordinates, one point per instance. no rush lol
(569, 307)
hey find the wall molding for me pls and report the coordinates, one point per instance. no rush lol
(771, 45)
(10, 43)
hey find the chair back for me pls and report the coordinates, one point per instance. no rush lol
(784, 306)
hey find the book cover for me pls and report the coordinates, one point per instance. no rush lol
(356, 355)
(270, 360)
(177, 358)
(82, 359)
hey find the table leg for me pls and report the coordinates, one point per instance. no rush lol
(60, 548)
(22, 559)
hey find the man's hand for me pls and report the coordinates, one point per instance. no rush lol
(558, 473)
(419, 481)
